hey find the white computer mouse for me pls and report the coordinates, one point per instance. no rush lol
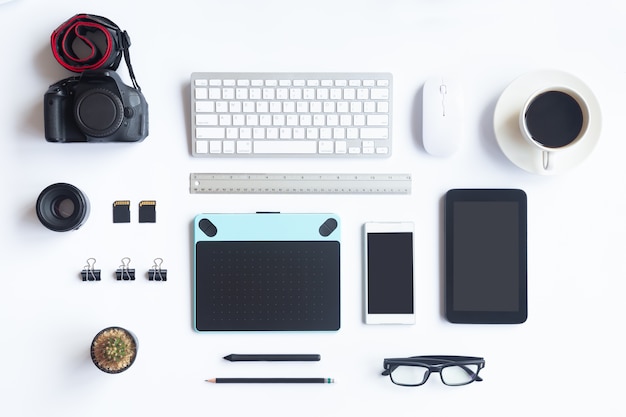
(442, 111)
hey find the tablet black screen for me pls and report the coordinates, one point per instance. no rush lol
(267, 285)
(486, 256)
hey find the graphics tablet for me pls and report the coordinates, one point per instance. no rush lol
(266, 271)
(486, 256)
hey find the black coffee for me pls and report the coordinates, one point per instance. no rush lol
(554, 119)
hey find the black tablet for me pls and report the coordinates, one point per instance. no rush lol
(486, 256)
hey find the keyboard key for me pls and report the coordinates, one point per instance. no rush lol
(299, 133)
(210, 133)
(244, 146)
(226, 120)
(232, 133)
(285, 147)
(378, 120)
(215, 146)
(316, 107)
(228, 147)
(374, 133)
(271, 133)
(202, 146)
(228, 93)
(206, 119)
(245, 133)
(201, 93)
(258, 133)
(285, 133)
(215, 93)
(205, 106)
(379, 93)
(326, 146)
(255, 93)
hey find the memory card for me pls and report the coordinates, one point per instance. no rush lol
(147, 211)
(121, 211)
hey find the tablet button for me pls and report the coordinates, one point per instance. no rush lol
(328, 227)
(207, 227)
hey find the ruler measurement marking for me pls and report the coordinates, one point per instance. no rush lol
(207, 183)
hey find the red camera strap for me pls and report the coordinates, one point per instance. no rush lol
(87, 42)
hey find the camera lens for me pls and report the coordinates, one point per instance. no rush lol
(62, 207)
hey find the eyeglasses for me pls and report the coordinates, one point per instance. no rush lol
(414, 371)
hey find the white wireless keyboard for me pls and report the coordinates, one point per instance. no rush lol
(291, 114)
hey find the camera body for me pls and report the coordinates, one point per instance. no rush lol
(95, 106)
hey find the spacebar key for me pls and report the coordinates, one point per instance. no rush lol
(286, 147)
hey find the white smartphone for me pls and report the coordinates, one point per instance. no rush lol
(388, 270)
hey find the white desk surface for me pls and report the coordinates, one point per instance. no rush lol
(568, 356)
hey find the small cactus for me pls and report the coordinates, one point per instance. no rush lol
(113, 349)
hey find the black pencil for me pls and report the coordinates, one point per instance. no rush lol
(271, 380)
(235, 357)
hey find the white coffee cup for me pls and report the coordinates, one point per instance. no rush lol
(552, 120)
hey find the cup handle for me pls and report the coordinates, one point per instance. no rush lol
(547, 160)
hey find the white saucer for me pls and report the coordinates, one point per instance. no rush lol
(509, 136)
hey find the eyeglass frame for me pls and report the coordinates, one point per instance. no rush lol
(434, 363)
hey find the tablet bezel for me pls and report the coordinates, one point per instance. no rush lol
(483, 316)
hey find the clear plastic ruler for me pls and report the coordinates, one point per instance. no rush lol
(241, 183)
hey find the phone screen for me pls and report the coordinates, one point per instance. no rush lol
(389, 272)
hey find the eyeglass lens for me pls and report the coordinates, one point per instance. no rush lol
(450, 375)
(459, 374)
(409, 375)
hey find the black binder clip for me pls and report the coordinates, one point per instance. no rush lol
(89, 273)
(156, 273)
(124, 273)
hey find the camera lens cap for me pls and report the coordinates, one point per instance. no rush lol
(99, 112)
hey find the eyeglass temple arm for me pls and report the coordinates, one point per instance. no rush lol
(474, 375)
(447, 358)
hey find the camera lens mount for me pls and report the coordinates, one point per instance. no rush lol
(99, 112)
(62, 207)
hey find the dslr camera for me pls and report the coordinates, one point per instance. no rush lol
(95, 106)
